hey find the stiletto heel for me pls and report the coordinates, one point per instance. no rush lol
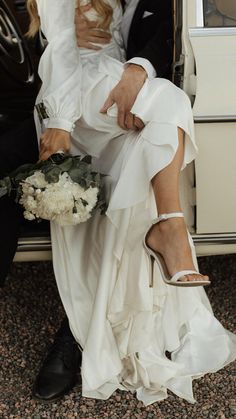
(157, 257)
(151, 272)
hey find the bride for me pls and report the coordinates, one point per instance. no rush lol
(114, 272)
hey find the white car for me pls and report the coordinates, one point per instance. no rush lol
(204, 65)
(208, 77)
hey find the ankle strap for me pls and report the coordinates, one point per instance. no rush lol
(163, 217)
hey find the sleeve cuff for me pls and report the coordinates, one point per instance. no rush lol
(60, 124)
(143, 62)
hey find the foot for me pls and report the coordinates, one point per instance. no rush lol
(170, 239)
(60, 369)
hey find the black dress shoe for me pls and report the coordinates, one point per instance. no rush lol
(60, 369)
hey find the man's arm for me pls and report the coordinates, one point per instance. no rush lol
(159, 50)
(124, 95)
(126, 91)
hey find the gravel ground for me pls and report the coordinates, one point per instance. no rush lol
(30, 314)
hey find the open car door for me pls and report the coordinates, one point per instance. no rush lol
(208, 77)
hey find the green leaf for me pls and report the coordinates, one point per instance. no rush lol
(3, 191)
(5, 186)
(87, 159)
(66, 165)
(57, 158)
(52, 176)
(23, 169)
(75, 175)
(85, 203)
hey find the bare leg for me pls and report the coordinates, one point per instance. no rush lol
(170, 237)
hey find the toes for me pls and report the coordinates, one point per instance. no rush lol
(197, 278)
(183, 279)
(193, 278)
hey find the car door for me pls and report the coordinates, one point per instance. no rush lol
(209, 72)
(18, 64)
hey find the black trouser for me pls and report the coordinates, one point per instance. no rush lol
(17, 146)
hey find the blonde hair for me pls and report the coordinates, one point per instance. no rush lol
(34, 18)
(102, 8)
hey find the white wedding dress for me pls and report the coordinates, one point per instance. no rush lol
(124, 326)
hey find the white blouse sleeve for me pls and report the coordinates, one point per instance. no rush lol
(60, 67)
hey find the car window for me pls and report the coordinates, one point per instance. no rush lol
(219, 13)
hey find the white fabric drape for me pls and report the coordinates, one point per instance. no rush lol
(124, 326)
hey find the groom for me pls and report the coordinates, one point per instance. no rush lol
(148, 39)
(17, 146)
(147, 34)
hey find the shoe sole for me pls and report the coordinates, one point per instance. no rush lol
(59, 397)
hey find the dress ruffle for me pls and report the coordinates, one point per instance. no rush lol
(126, 328)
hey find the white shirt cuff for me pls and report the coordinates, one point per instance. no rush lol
(143, 62)
(60, 124)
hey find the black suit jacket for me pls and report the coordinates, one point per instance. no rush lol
(17, 146)
(151, 37)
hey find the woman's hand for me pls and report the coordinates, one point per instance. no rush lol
(53, 140)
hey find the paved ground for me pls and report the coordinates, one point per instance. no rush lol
(30, 314)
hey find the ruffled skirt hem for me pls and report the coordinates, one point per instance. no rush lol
(126, 328)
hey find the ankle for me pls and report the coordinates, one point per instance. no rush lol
(169, 212)
(171, 224)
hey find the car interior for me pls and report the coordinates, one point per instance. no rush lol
(19, 85)
(219, 13)
(18, 62)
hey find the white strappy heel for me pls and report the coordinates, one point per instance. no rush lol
(157, 257)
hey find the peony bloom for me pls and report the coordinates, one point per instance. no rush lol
(64, 202)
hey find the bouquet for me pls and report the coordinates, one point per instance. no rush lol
(63, 189)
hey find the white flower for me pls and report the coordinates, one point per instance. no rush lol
(29, 216)
(65, 201)
(53, 201)
(77, 190)
(28, 202)
(27, 189)
(71, 218)
(90, 196)
(37, 180)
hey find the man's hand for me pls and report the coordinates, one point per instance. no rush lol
(87, 32)
(53, 140)
(124, 95)
(133, 78)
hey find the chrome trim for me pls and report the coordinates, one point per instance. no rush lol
(12, 41)
(226, 31)
(34, 248)
(31, 244)
(199, 13)
(214, 118)
(220, 238)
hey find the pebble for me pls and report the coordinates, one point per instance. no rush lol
(30, 314)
